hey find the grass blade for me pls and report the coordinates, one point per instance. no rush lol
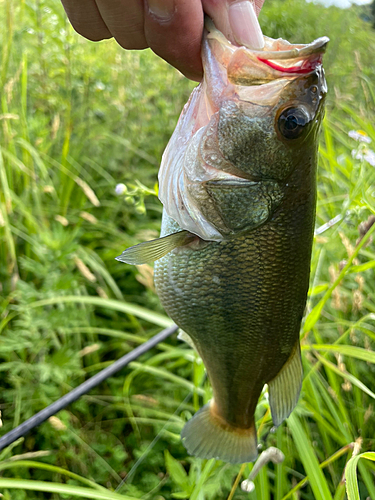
(345, 350)
(351, 474)
(134, 310)
(307, 455)
(347, 375)
(63, 489)
(52, 468)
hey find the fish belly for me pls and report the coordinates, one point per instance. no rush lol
(241, 301)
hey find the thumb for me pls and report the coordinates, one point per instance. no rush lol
(237, 20)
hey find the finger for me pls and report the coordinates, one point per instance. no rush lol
(218, 12)
(124, 19)
(173, 29)
(236, 20)
(85, 18)
(258, 4)
(245, 26)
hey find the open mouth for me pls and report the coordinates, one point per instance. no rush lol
(281, 49)
(279, 58)
(304, 58)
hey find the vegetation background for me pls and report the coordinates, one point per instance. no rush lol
(78, 118)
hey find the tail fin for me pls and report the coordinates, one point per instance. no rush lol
(205, 436)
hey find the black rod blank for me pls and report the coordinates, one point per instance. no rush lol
(82, 389)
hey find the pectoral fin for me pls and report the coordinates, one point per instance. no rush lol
(149, 251)
(285, 388)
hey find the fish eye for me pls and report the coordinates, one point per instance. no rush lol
(292, 122)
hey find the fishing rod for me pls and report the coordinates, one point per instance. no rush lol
(70, 397)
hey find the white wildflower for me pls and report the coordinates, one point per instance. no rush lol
(357, 155)
(120, 189)
(99, 86)
(359, 135)
(364, 154)
(369, 156)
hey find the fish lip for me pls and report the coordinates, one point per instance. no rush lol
(293, 58)
(224, 177)
(297, 51)
(292, 51)
(307, 57)
(234, 181)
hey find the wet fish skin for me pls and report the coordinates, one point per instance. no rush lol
(238, 185)
(228, 131)
(241, 300)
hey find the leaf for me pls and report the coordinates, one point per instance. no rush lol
(40, 465)
(351, 474)
(345, 350)
(310, 463)
(316, 290)
(64, 489)
(140, 312)
(177, 474)
(363, 267)
(314, 315)
(205, 474)
(347, 375)
(165, 374)
(181, 495)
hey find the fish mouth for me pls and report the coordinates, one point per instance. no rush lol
(294, 58)
(232, 180)
(281, 49)
(278, 59)
(232, 176)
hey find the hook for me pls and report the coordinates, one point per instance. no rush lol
(271, 454)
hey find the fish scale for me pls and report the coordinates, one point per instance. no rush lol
(252, 309)
(238, 186)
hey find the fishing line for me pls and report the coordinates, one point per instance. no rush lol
(84, 388)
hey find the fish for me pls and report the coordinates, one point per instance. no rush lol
(238, 187)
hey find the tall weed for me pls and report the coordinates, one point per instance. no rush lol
(78, 118)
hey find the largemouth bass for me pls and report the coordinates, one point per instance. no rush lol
(238, 185)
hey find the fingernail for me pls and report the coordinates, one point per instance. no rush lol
(245, 25)
(163, 9)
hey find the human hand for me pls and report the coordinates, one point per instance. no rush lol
(171, 28)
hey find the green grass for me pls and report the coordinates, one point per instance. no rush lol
(76, 119)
